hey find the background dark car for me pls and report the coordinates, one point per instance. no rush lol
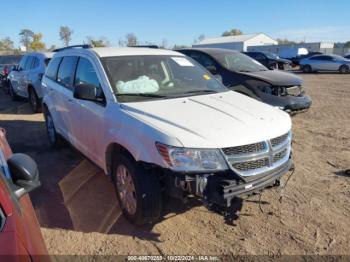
(242, 74)
(270, 60)
(7, 64)
(347, 56)
(20, 235)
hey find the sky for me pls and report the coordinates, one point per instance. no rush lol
(179, 22)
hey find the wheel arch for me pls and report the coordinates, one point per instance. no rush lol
(111, 150)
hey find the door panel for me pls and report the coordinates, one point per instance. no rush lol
(92, 114)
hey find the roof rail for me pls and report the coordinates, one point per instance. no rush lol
(72, 46)
(147, 46)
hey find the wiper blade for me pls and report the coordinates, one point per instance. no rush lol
(140, 94)
(200, 91)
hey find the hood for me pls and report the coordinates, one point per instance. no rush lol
(276, 77)
(212, 121)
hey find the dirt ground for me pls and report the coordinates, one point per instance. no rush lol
(78, 212)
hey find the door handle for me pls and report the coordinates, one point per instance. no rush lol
(70, 100)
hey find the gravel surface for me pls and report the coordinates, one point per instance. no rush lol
(78, 211)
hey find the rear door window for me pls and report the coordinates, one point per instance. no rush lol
(52, 69)
(29, 63)
(65, 75)
(35, 63)
(22, 63)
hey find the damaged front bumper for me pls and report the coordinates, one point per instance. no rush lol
(221, 188)
(297, 103)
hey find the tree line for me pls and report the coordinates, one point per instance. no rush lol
(34, 41)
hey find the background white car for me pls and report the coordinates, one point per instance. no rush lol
(25, 79)
(325, 63)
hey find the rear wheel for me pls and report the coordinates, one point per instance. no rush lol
(138, 190)
(344, 69)
(12, 93)
(34, 100)
(307, 69)
(54, 138)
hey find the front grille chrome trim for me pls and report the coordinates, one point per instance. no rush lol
(273, 151)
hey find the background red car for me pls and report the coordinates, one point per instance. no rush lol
(20, 235)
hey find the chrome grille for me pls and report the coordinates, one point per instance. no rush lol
(256, 147)
(251, 165)
(279, 140)
(277, 157)
(258, 158)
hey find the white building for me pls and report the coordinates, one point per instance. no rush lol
(237, 42)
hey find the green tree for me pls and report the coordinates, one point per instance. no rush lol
(131, 39)
(199, 39)
(347, 44)
(231, 32)
(26, 37)
(37, 44)
(285, 41)
(6, 44)
(66, 35)
(102, 42)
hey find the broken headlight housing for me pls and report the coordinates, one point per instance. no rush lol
(191, 159)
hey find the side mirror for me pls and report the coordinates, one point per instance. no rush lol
(212, 69)
(89, 92)
(24, 172)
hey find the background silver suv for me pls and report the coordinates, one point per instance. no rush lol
(25, 80)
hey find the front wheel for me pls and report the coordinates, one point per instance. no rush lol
(307, 69)
(344, 69)
(34, 101)
(138, 190)
(12, 93)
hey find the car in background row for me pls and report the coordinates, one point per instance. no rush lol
(25, 80)
(296, 60)
(20, 235)
(347, 56)
(7, 64)
(245, 75)
(270, 60)
(325, 63)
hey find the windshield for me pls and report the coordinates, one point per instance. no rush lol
(270, 55)
(138, 78)
(239, 62)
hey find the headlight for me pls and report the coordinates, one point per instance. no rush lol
(189, 159)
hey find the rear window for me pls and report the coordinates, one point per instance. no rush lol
(66, 71)
(52, 69)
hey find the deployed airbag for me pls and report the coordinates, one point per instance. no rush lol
(143, 84)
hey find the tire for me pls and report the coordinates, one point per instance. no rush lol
(307, 69)
(344, 69)
(55, 139)
(12, 93)
(138, 190)
(34, 101)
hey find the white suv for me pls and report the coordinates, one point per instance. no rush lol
(25, 79)
(157, 122)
